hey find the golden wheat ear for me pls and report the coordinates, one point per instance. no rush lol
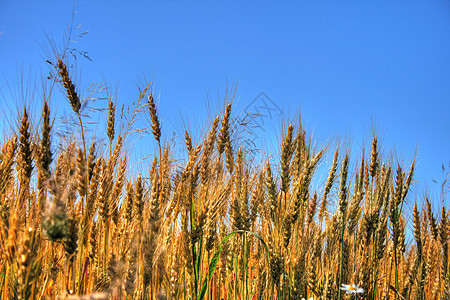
(154, 116)
(110, 131)
(72, 95)
(45, 158)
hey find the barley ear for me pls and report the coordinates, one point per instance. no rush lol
(224, 134)
(374, 159)
(286, 155)
(271, 193)
(45, 156)
(432, 220)
(188, 142)
(417, 231)
(328, 185)
(69, 86)
(156, 128)
(25, 152)
(111, 121)
(343, 201)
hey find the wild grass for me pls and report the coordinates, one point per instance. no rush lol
(77, 223)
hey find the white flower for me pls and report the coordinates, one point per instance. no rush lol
(352, 289)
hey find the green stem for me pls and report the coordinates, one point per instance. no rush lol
(199, 259)
(245, 262)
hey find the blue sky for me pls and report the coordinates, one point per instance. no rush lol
(352, 67)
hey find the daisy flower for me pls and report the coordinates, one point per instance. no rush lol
(352, 289)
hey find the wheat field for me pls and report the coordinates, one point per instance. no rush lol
(211, 222)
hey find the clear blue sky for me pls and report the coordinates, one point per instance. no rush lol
(349, 64)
